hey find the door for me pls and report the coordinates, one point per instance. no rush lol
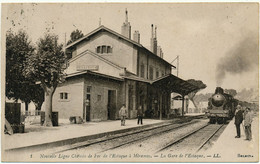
(111, 105)
(88, 103)
(88, 107)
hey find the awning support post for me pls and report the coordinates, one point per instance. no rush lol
(161, 105)
(182, 107)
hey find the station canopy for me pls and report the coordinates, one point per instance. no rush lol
(178, 97)
(171, 83)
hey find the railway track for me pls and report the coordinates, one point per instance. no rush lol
(195, 140)
(115, 141)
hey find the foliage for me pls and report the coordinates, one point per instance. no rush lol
(75, 35)
(18, 48)
(18, 86)
(200, 86)
(47, 66)
(232, 92)
(202, 97)
(197, 83)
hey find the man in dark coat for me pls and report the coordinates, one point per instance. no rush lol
(238, 119)
(140, 115)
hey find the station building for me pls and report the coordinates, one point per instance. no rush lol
(107, 69)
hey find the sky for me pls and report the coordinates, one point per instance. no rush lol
(217, 43)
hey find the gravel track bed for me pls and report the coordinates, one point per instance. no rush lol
(153, 144)
(148, 145)
(211, 142)
(192, 143)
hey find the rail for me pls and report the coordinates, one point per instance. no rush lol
(97, 141)
(182, 138)
(204, 143)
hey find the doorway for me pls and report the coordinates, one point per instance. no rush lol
(88, 103)
(88, 107)
(111, 105)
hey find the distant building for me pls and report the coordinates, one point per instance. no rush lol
(31, 106)
(107, 69)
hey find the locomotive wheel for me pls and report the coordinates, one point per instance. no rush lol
(212, 121)
(221, 120)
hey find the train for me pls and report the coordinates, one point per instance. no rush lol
(221, 107)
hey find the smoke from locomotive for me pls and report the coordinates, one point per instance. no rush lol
(221, 106)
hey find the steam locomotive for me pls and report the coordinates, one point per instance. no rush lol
(221, 107)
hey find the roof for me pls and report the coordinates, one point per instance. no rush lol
(175, 84)
(103, 28)
(136, 78)
(168, 82)
(97, 56)
(92, 73)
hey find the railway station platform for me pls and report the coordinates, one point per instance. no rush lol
(231, 149)
(67, 133)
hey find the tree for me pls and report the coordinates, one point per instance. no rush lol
(200, 86)
(37, 96)
(75, 35)
(18, 48)
(47, 66)
(232, 92)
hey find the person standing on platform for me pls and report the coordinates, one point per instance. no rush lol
(123, 114)
(238, 119)
(140, 115)
(248, 119)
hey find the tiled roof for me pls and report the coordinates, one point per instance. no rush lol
(118, 35)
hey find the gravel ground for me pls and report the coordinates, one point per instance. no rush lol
(192, 143)
(149, 145)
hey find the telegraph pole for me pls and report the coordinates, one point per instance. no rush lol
(177, 58)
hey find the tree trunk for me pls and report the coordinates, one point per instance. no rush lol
(182, 106)
(195, 105)
(48, 106)
(26, 106)
(38, 105)
(187, 105)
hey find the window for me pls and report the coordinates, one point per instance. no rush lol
(98, 49)
(104, 49)
(109, 49)
(88, 89)
(142, 70)
(157, 73)
(162, 73)
(63, 95)
(151, 73)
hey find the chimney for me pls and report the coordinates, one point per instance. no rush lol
(152, 40)
(155, 41)
(136, 36)
(126, 27)
(159, 52)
